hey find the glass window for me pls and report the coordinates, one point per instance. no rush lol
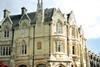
(59, 27)
(24, 48)
(4, 50)
(59, 46)
(6, 33)
(73, 49)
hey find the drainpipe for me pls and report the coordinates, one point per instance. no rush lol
(49, 39)
(12, 49)
(67, 30)
(33, 45)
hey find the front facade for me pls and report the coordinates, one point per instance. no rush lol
(45, 38)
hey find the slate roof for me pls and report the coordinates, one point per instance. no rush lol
(48, 13)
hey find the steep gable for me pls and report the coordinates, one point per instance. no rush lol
(48, 13)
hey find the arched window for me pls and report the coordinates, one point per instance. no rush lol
(59, 28)
(22, 66)
(24, 48)
(41, 65)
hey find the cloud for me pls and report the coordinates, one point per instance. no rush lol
(86, 13)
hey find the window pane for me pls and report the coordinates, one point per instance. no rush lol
(58, 46)
(73, 49)
(59, 28)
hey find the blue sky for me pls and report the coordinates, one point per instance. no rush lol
(87, 14)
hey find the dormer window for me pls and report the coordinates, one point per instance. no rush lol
(6, 30)
(6, 33)
(59, 28)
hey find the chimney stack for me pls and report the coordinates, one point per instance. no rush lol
(6, 13)
(24, 10)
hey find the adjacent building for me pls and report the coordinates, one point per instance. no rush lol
(45, 38)
(94, 59)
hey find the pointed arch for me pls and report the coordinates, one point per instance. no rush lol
(59, 27)
(23, 47)
(60, 65)
(22, 65)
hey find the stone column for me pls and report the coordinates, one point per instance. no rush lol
(30, 62)
(12, 63)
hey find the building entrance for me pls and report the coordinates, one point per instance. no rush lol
(22, 66)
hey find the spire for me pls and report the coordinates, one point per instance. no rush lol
(40, 5)
(40, 11)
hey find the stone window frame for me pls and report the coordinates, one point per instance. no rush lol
(39, 45)
(59, 46)
(59, 27)
(23, 48)
(5, 51)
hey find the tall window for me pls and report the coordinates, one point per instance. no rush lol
(59, 28)
(6, 33)
(73, 32)
(73, 49)
(59, 46)
(5, 51)
(24, 48)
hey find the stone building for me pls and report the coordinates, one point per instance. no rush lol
(45, 38)
(94, 60)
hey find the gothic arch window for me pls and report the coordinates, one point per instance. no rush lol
(59, 27)
(41, 65)
(22, 66)
(24, 48)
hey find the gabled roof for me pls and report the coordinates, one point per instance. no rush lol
(15, 19)
(48, 13)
